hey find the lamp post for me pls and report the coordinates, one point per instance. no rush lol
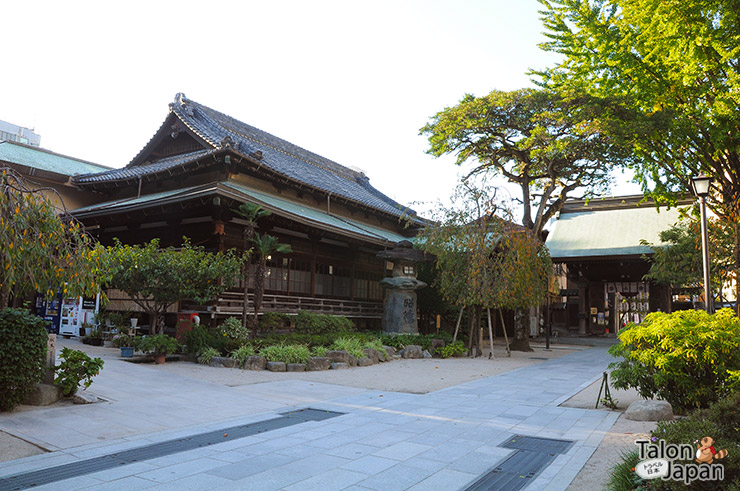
(701, 184)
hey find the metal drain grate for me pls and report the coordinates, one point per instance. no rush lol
(532, 456)
(169, 447)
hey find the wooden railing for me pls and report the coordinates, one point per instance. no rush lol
(231, 303)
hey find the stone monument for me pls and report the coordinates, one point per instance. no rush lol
(399, 310)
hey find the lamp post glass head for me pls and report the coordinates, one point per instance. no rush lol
(701, 185)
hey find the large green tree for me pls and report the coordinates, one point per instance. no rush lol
(483, 260)
(668, 74)
(157, 278)
(548, 144)
(678, 262)
(43, 251)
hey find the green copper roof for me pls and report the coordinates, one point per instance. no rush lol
(279, 206)
(609, 232)
(284, 207)
(45, 160)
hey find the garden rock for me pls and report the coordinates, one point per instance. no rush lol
(372, 354)
(438, 343)
(412, 351)
(365, 362)
(426, 354)
(338, 356)
(352, 361)
(43, 395)
(84, 398)
(296, 367)
(255, 362)
(339, 366)
(222, 361)
(318, 363)
(276, 366)
(390, 351)
(650, 410)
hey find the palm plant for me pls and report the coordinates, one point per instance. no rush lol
(251, 212)
(264, 246)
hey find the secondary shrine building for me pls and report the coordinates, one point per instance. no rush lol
(202, 164)
(597, 246)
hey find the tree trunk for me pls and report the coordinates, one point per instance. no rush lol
(154, 320)
(259, 291)
(521, 336)
(4, 296)
(245, 293)
(737, 268)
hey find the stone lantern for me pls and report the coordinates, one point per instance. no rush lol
(399, 310)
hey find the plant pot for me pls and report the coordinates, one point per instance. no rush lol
(97, 341)
(159, 359)
(127, 351)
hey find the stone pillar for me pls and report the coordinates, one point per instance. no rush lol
(51, 358)
(399, 310)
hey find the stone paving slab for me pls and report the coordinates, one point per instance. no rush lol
(442, 440)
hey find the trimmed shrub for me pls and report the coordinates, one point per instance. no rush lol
(310, 323)
(291, 353)
(688, 358)
(23, 341)
(76, 368)
(270, 322)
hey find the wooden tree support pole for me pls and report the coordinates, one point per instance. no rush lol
(506, 337)
(490, 332)
(457, 326)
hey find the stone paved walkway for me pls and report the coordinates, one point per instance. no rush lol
(384, 440)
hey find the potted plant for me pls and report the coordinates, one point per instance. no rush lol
(95, 338)
(158, 345)
(87, 328)
(127, 344)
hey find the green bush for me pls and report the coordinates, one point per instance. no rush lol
(351, 345)
(158, 344)
(319, 351)
(688, 358)
(232, 329)
(453, 349)
(205, 355)
(23, 341)
(719, 421)
(120, 340)
(242, 353)
(196, 339)
(310, 323)
(309, 340)
(76, 367)
(622, 477)
(270, 322)
(290, 353)
(400, 341)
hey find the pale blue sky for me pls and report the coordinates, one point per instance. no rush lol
(352, 81)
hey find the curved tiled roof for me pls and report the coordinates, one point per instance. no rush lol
(283, 157)
(134, 172)
(218, 131)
